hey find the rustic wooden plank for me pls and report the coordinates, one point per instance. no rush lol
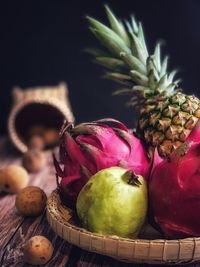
(13, 254)
(93, 259)
(10, 221)
(8, 217)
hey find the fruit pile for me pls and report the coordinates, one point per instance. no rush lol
(109, 174)
(30, 201)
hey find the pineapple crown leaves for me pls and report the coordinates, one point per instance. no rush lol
(128, 60)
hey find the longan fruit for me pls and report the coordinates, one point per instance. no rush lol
(36, 130)
(36, 142)
(13, 178)
(31, 201)
(33, 160)
(51, 136)
(38, 250)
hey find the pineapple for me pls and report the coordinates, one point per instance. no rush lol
(167, 115)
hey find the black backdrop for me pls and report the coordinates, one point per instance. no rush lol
(42, 41)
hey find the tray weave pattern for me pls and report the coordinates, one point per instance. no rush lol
(153, 251)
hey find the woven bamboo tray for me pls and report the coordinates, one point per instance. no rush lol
(149, 250)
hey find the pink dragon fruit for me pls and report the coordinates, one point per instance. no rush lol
(90, 147)
(174, 192)
(194, 136)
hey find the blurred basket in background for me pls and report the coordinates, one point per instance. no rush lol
(38, 108)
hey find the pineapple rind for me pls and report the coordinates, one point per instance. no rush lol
(169, 126)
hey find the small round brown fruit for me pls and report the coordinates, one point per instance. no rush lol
(33, 160)
(31, 201)
(38, 250)
(36, 142)
(51, 136)
(36, 130)
(13, 178)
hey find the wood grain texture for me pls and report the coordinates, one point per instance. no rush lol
(16, 230)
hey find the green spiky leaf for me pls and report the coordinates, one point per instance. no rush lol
(127, 56)
(133, 62)
(134, 24)
(171, 76)
(122, 78)
(117, 26)
(137, 48)
(157, 56)
(141, 37)
(110, 62)
(164, 66)
(123, 91)
(138, 78)
(96, 52)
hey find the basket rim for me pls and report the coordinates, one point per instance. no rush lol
(56, 215)
(139, 250)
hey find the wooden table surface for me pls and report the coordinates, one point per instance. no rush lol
(15, 230)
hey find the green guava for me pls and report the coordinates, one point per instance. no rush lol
(113, 202)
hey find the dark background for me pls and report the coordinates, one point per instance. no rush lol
(41, 43)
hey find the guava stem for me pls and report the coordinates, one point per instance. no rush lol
(132, 178)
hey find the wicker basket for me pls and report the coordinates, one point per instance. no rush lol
(154, 251)
(40, 105)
